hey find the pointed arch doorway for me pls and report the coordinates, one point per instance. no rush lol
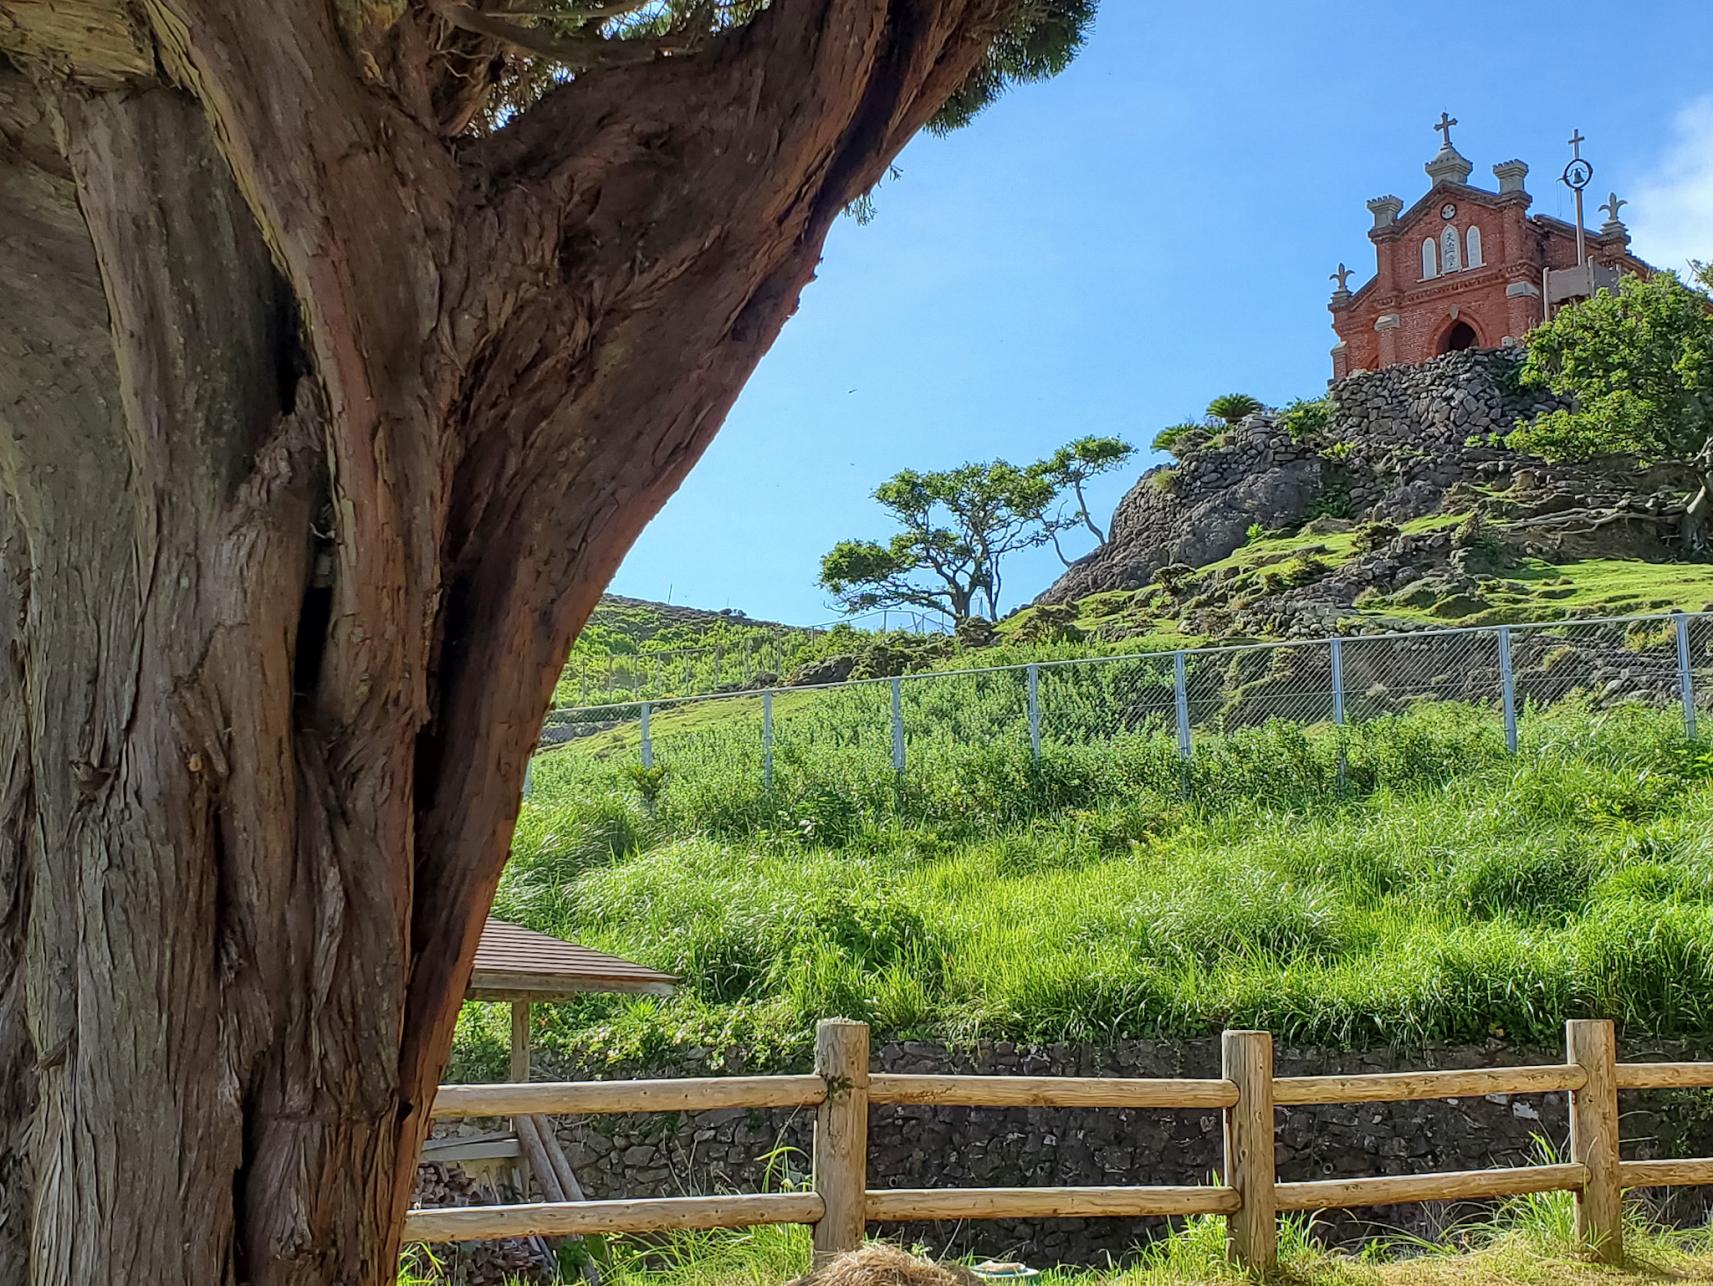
(1457, 337)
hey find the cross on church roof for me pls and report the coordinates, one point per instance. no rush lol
(1446, 121)
(1577, 139)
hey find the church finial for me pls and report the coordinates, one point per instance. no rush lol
(1447, 166)
(1614, 225)
(1342, 277)
(1577, 139)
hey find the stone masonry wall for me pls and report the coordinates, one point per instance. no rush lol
(668, 1155)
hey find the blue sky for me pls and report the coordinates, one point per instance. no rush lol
(1105, 252)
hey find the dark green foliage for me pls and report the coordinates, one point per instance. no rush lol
(1068, 469)
(1039, 43)
(1639, 364)
(959, 525)
(1233, 407)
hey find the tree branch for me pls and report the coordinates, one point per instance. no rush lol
(580, 53)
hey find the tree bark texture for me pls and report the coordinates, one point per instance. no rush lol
(322, 427)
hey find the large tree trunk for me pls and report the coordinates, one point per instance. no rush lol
(320, 435)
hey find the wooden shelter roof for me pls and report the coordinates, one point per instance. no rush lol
(515, 963)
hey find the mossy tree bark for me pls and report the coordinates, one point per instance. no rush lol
(322, 426)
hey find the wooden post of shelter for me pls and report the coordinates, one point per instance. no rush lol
(1591, 1044)
(1252, 1232)
(841, 1136)
(520, 1042)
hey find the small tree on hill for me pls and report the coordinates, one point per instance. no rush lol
(1638, 365)
(958, 527)
(1232, 407)
(1067, 469)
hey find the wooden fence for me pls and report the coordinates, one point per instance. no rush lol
(842, 1089)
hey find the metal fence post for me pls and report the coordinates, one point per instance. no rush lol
(1034, 673)
(1685, 676)
(1337, 658)
(1181, 682)
(898, 724)
(767, 740)
(647, 742)
(1508, 688)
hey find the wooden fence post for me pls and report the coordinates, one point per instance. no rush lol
(1252, 1233)
(1591, 1045)
(841, 1136)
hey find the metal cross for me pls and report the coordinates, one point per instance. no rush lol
(1576, 142)
(1446, 121)
(1612, 206)
(1342, 277)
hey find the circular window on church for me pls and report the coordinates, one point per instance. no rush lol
(1460, 336)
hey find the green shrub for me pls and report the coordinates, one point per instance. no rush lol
(1307, 418)
(1180, 439)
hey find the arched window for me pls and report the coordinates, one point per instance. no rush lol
(1449, 254)
(1473, 258)
(1430, 259)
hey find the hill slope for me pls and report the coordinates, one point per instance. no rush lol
(1394, 503)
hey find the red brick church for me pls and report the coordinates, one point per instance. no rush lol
(1465, 267)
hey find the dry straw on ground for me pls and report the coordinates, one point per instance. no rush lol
(886, 1266)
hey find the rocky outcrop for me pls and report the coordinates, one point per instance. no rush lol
(1401, 443)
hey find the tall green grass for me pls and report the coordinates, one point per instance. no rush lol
(1436, 888)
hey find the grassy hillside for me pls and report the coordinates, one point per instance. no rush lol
(632, 648)
(1521, 590)
(1443, 889)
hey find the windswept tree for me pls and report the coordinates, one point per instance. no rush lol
(956, 528)
(1069, 469)
(1637, 366)
(345, 347)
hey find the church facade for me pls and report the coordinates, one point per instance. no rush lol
(1467, 267)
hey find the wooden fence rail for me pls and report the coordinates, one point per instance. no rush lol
(1249, 1196)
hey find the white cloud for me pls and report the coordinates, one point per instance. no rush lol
(1671, 217)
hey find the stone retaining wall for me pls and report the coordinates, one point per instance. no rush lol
(667, 1155)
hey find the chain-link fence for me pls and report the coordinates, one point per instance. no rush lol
(1499, 674)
